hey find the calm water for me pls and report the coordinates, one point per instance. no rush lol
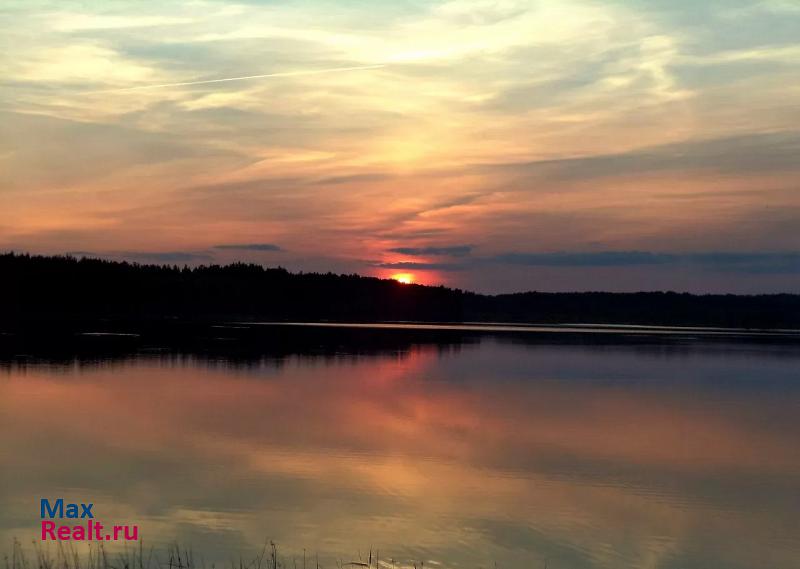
(462, 454)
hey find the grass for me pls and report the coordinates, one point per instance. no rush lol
(66, 556)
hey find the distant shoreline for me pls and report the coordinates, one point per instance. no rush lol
(248, 343)
(68, 290)
(542, 327)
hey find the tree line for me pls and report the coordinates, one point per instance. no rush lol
(58, 288)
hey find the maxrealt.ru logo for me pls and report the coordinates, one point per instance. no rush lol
(85, 531)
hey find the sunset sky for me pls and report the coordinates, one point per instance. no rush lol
(491, 145)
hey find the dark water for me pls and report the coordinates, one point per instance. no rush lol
(461, 451)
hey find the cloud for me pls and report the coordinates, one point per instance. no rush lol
(79, 152)
(147, 256)
(243, 78)
(420, 266)
(164, 256)
(740, 154)
(753, 263)
(450, 251)
(600, 259)
(746, 262)
(355, 178)
(249, 247)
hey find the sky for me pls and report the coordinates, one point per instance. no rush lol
(496, 146)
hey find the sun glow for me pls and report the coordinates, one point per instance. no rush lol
(404, 278)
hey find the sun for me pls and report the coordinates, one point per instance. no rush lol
(404, 278)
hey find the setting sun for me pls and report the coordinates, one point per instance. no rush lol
(405, 278)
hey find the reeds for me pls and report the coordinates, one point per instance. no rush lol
(65, 555)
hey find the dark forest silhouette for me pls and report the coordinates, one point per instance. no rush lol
(38, 288)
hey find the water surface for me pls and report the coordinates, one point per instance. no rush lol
(461, 452)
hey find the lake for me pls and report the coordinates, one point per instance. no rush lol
(457, 448)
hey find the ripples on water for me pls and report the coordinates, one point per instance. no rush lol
(463, 451)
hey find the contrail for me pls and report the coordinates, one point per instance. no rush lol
(243, 78)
